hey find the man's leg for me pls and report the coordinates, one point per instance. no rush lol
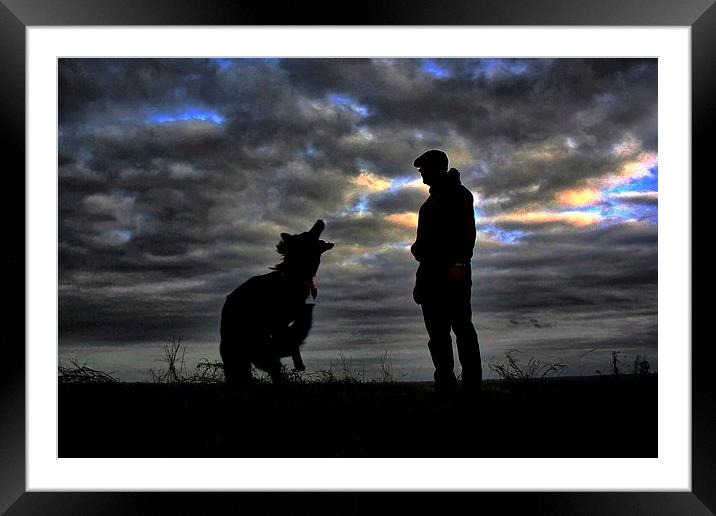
(437, 324)
(468, 346)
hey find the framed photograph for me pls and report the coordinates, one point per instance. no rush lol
(168, 149)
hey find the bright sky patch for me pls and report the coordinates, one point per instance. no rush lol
(350, 103)
(371, 182)
(535, 218)
(223, 64)
(643, 167)
(646, 183)
(361, 207)
(188, 116)
(579, 197)
(406, 220)
(431, 68)
(617, 197)
(405, 182)
(501, 235)
(495, 67)
(627, 211)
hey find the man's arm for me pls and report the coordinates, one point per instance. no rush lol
(466, 232)
(464, 236)
(417, 248)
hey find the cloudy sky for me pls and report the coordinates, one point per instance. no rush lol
(176, 177)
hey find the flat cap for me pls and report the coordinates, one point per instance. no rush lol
(432, 158)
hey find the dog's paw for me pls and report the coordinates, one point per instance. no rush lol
(299, 367)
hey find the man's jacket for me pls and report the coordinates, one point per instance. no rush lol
(446, 225)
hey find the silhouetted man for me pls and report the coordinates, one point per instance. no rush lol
(444, 248)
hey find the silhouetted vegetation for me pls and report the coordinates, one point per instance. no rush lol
(337, 412)
(555, 417)
(512, 370)
(175, 371)
(175, 368)
(639, 366)
(346, 373)
(74, 372)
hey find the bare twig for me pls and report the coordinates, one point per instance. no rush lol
(76, 373)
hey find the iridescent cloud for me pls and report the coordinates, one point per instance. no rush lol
(579, 197)
(543, 217)
(406, 220)
(369, 182)
(643, 166)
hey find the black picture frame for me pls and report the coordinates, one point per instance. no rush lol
(17, 15)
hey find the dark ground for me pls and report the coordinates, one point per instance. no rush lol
(563, 417)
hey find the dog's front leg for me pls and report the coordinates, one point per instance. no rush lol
(299, 331)
(290, 347)
(302, 324)
(298, 364)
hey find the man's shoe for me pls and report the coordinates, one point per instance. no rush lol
(472, 387)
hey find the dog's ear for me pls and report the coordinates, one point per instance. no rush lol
(286, 237)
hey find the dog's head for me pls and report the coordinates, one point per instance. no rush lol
(302, 252)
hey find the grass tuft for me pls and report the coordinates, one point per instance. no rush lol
(512, 370)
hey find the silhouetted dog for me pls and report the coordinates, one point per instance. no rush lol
(267, 318)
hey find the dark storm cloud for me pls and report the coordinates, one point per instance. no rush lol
(504, 116)
(648, 198)
(367, 232)
(176, 177)
(603, 269)
(398, 201)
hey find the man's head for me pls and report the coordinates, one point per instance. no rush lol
(431, 165)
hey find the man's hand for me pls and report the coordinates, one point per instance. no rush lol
(457, 272)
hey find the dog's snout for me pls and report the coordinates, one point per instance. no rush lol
(317, 228)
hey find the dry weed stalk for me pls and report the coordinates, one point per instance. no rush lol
(512, 370)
